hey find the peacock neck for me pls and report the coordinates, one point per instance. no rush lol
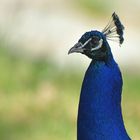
(100, 115)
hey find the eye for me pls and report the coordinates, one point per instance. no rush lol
(95, 40)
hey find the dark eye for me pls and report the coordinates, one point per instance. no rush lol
(95, 40)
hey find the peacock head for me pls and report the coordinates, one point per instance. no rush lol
(94, 43)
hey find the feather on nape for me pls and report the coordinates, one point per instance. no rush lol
(114, 29)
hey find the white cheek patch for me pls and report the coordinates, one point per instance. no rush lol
(99, 46)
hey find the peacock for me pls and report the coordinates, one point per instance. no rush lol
(100, 113)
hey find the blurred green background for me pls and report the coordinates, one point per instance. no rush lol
(40, 83)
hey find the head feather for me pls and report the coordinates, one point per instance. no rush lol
(114, 29)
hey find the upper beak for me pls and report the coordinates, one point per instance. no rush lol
(78, 47)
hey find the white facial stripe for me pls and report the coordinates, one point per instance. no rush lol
(83, 45)
(99, 46)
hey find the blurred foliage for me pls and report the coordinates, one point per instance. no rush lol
(33, 99)
(18, 74)
(39, 102)
(97, 7)
(131, 104)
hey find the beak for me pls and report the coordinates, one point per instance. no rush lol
(78, 47)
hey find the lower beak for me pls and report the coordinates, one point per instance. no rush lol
(76, 48)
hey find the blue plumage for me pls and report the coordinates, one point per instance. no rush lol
(99, 114)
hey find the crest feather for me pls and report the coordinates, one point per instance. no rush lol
(114, 29)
